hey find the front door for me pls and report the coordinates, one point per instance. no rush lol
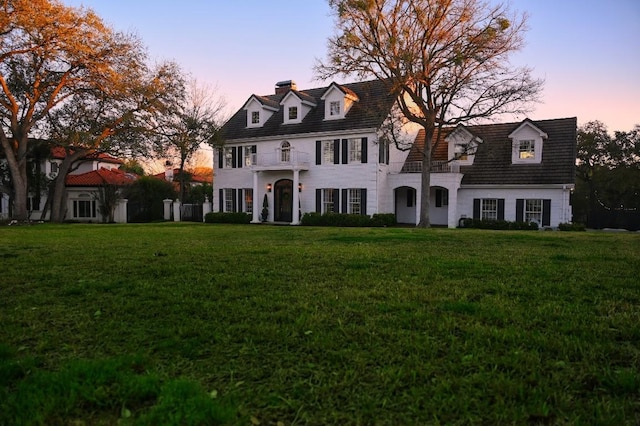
(283, 201)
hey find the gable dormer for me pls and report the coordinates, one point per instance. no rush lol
(259, 110)
(462, 145)
(337, 101)
(526, 143)
(296, 105)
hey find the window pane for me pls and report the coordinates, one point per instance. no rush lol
(327, 152)
(334, 108)
(255, 117)
(489, 209)
(526, 149)
(355, 150)
(228, 200)
(354, 201)
(293, 113)
(248, 200)
(533, 211)
(327, 200)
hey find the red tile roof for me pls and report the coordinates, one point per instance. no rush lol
(198, 175)
(101, 177)
(59, 153)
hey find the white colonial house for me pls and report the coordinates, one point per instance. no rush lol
(321, 150)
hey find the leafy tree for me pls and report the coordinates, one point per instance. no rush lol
(133, 166)
(146, 197)
(64, 74)
(107, 196)
(446, 61)
(194, 121)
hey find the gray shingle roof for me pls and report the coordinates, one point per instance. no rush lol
(492, 163)
(369, 112)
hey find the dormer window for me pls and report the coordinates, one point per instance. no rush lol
(295, 106)
(462, 145)
(334, 108)
(527, 143)
(293, 113)
(255, 117)
(259, 109)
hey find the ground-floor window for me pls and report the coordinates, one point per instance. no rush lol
(84, 208)
(248, 200)
(533, 211)
(354, 198)
(489, 209)
(327, 200)
(228, 200)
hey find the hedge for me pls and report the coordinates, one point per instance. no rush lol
(348, 220)
(220, 217)
(499, 224)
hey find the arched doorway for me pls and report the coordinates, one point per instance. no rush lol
(405, 205)
(283, 201)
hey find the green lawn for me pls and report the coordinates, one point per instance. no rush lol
(198, 324)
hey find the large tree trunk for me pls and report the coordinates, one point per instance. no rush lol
(59, 196)
(425, 181)
(17, 162)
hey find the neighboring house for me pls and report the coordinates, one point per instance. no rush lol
(321, 150)
(197, 176)
(86, 177)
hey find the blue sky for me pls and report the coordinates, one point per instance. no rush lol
(588, 51)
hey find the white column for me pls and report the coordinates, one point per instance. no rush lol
(206, 207)
(452, 210)
(167, 208)
(295, 219)
(176, 210)
(120, 215)
(257, 202)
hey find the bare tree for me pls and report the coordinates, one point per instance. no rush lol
(62, 70)
(446, 62)
(194, 121)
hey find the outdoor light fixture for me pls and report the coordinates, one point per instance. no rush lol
(299, 187)
(269, 187)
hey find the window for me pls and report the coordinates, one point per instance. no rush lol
(327, 200)
(354, 201)
(54, 168)
(293, 113)
(84, 208)
(533, 211)
(328, 150)
(228, 200)
(489, 209)
(334, 108)
(228, 157)
(285, 152)
(461, 152)
(383, 152)
(248, 200)
(526, 149)
(442, 197)
(255, 117)
(355, 150)
(249, 155)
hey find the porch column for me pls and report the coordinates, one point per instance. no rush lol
(167, 208)
(296, 198)
(452, 211)
(176, 210)
(206, 207)
(256, 205)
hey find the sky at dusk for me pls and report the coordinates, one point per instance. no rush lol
(587, 51)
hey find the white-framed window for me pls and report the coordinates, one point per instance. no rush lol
(328, 152)
(527, 149)
(285, 152)
(354, 201)
(327, 200)
(228, 157)
(54, 168)
(334, 108)
(228, 200)
(461, 152)
(533, 211)
(293, 113)
(355, 150)
(255, 117)
(248, 155)
(84, 207)
(383, 152)
(489, 209)
(248, 200)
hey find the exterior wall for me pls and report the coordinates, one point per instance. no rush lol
(559, 196)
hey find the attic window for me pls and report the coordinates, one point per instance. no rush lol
(334, 108)
(293, 113)
(255, 117)
(527, 149)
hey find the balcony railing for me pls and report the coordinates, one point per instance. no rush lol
(436, 167)
(280, 159)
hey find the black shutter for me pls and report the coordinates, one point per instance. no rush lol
(386, 153)
(520, 210)
(336, 198)
(345, 195)
(363, 154)
(240, 156)
(345, 151)
(380, 152)
(476, 208)
(234, 156)
(336, 151)
(239, 200)
(319, 200)
(220, 157)
(546, 212)
(500, 208)
(221, 200)
(363, 201)
(318, 152)
(233, 199)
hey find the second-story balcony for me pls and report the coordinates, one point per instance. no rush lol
(280, 159)
(416, 167)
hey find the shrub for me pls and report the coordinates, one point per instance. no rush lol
(579, 227)
(347, 220)
(499, 224)
(220, 217)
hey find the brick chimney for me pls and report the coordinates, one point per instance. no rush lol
(283, 87)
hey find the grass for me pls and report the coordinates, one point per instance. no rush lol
(244, 324)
